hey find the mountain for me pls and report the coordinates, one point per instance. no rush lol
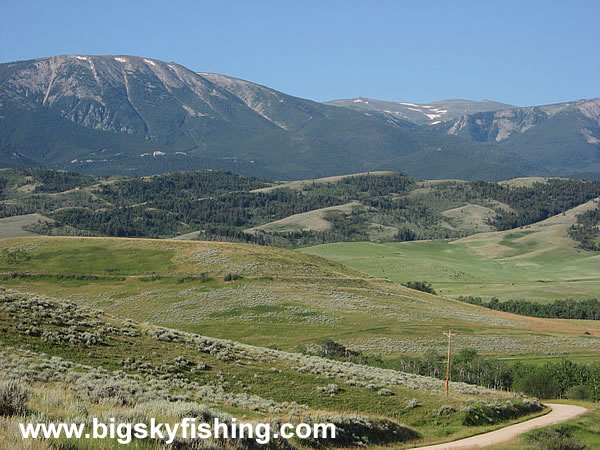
(562, 138)
(420, 114)
(138, 116)
(133, 115)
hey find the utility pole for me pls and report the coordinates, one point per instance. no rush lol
(449, 334)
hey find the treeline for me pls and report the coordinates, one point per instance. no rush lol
(180, 185)
(529, 204)
(563, 379)
(45, 180)
(559, 309)
(587, 229)
(541, 201)
(221, 205)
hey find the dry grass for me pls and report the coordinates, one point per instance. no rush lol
(11, 227)
(471, 218)
(300, 184)
(308, 221)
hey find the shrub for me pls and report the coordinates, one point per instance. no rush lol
(414, 403)
(13, 398)
(232, 277)
(359, 431)
(329, 389)
(538, 384)
(492, 413)
(445, 410)
(579, 392)
(554, 439)
(15, 255)
(422, 286)
(97, 387)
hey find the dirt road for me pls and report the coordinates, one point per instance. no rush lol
(559, 413)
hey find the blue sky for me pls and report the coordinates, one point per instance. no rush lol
(518, 52)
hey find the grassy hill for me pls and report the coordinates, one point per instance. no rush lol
(76, 363)
(128, 321)
(212, 205)
(273, 297)
(535, 262)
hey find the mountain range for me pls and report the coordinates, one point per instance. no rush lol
(132, 115)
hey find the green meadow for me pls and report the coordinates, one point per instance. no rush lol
(539, 263)
(288, 299)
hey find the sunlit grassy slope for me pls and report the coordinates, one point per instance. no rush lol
(537, 262)
(79, 363)
(284, 298)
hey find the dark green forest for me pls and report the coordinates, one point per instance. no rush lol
(587, 230)
(222, 205)
(558, 309)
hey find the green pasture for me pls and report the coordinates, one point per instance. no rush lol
(284, 298)
(514, 265)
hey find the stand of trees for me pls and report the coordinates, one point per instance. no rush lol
(558, 309)
(587, 230)
(221, 205)
(563, 379)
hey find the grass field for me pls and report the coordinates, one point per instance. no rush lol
(538, 263)
(282, 298)
(78, 363)
(15, 226)
(301, 184)
(81, 331)
(310, 221)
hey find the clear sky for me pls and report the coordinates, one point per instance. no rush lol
(519, 52)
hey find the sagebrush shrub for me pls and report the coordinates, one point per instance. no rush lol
(13, 398)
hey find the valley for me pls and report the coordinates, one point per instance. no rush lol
(299, 226)
(536, 262)
(174, 324)
(132, 288)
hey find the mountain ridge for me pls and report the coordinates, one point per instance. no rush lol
(430, 113)
(119, 114)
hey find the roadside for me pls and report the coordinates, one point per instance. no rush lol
(560, 413)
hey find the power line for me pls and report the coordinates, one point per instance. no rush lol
(449, 334)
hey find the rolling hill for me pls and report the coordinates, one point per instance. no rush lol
(272, 296)
(535, 262)
(212, 205)
(73, 364)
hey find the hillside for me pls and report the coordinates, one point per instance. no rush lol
(121, 368)
(560, 139)
(132, 115)
(534, 262)
(212, 205)
(267, 296)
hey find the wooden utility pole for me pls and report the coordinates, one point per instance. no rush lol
(449, 334)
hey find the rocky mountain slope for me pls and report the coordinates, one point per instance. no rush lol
(421, 114)
(565, 135)
(133, 115)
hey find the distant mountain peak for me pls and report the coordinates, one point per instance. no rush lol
(421, 114)
(123, 114)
